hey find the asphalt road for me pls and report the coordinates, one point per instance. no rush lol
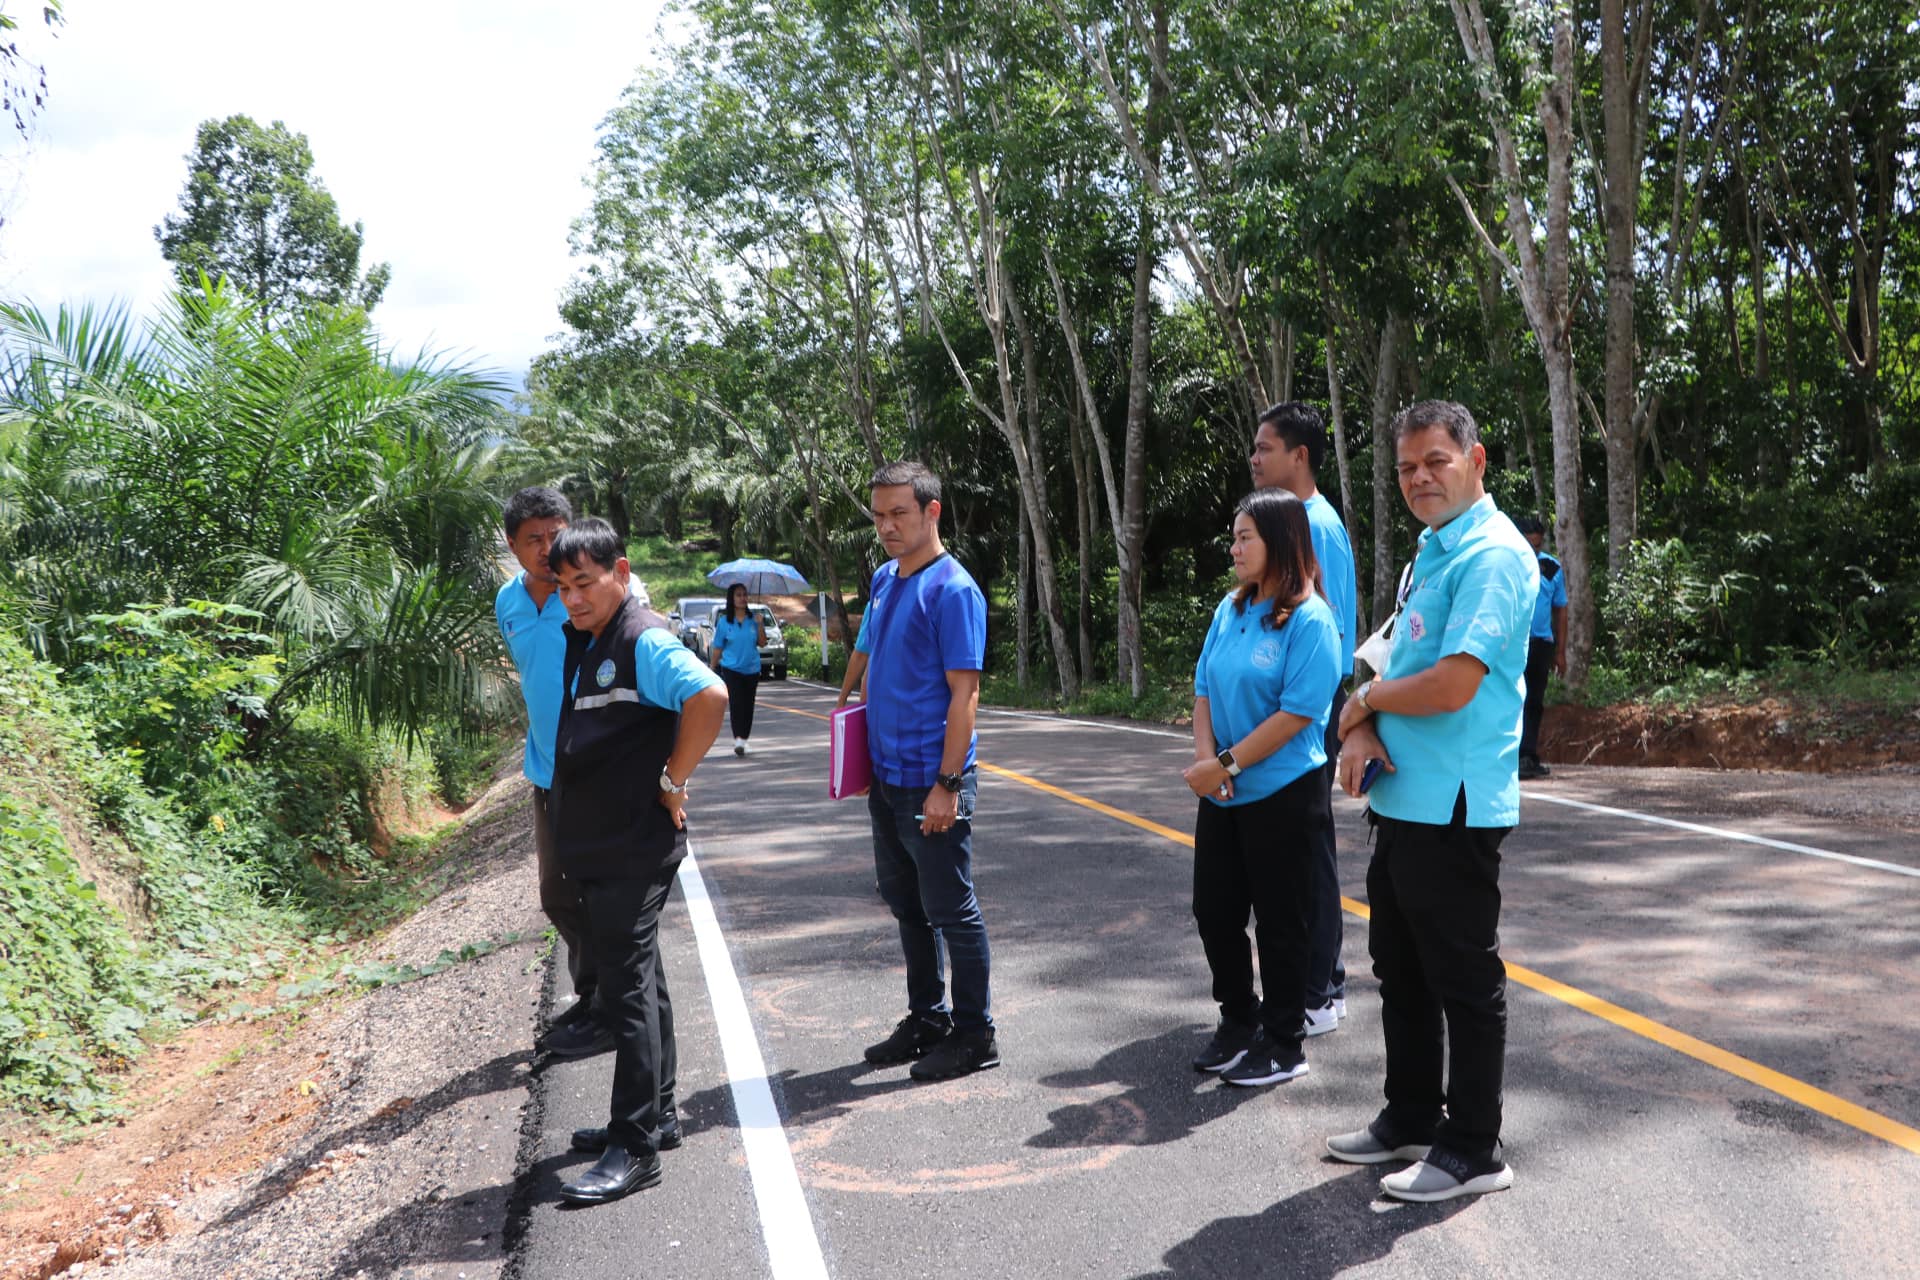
(1711, 1065)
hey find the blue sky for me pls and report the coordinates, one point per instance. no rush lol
(458, 131)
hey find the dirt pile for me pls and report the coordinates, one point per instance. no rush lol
(1770, 734)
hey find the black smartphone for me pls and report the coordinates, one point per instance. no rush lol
(1371, 774)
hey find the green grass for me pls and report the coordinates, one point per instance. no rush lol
(1163, 702)
(1793, 681)
(669, 570)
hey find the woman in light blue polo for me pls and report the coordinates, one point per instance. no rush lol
(737, 637)
(1261, 690)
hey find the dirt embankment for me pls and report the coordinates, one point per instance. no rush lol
(356, 1137)
(1771, 734)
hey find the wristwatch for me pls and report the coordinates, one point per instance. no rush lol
(668, 785)
(1360, 696)
(953, 781)
(1228, 763)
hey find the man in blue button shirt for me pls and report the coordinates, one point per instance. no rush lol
(1444, 721)
(1289, 444)
(927, 643)
(1547, 650)
(530, 616)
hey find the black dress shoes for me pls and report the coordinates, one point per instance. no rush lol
(596, 1139)
(618, 1172)
(581, 1038)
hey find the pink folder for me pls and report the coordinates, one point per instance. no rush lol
(850, 771)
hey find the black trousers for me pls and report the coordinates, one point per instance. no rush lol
(1435, 939)
(742, 689)
(1539, 670)
(1257, 859)
(562, 901)
(1326, 926)
(624, 916)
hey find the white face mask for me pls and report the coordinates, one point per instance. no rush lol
(1378, 647)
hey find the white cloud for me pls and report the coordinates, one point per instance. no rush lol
(457, 131)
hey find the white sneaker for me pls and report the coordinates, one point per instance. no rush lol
(1324, 1019)
(741, 748)
(1427, 1181)
(1339, 1006)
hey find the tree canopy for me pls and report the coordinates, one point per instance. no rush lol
(1665, 252)
(253, 211)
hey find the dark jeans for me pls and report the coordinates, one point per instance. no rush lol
(1257, 859)
(1435, 938)
(1539, 669)
(625, 915)
(561, 900)
(1326, 926)
(742, 689)
(927, 881)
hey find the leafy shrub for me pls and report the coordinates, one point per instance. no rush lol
(179, 687)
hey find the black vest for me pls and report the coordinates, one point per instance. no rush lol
(605, 808)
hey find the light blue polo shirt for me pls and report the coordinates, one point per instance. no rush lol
(665, 672)
(1334, 550)
(539, 651)
(1247, 671)
(1553, 595)
(921, 627)
(738, 643)
(1473, 589)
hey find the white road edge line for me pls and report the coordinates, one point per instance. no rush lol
(793, 1248)
(1872, 864)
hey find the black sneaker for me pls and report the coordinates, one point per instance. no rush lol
(1267, 1061)
(1229, 1044)
(960, 1054)
(917, 1033)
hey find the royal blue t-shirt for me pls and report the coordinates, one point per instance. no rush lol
(1247, 671)
(1553, 595)
(918, 628)
(1334, 551)
(539, 650)
(738, 643)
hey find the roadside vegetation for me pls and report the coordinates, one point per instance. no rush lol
(246, 573)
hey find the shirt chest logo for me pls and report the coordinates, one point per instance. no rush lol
(1416, 626)
(604, 675)
(1266, 654)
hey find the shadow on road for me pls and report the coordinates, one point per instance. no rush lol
(1291, 1237)
(1165, 1099)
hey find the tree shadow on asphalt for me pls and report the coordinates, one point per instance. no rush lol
(1315, 1234)
(414, 1233)
(802, 1100)
(1159, 1105)
(384, 1126)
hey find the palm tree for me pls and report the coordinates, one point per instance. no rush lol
(300, 471)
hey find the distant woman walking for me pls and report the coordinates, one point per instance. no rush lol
(737, 637)
(1261, 691)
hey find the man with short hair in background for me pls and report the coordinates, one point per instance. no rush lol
(530, 616)
(1547, 650)
(927, 639)
(1444, 723)
(1289, 444)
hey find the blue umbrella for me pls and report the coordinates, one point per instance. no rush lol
(760, 577)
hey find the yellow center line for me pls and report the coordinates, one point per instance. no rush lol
(1814, 1099)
